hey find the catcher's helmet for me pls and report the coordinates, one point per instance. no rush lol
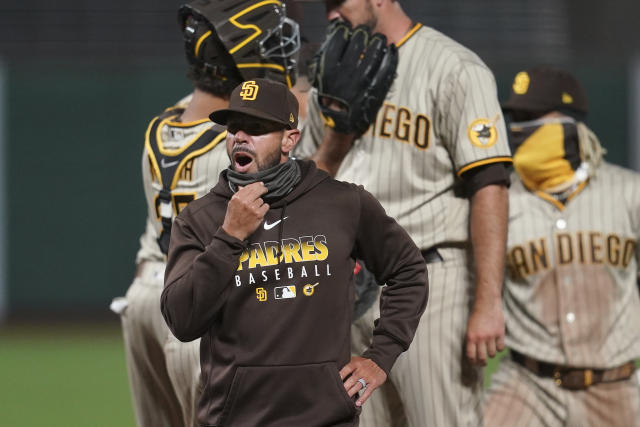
(257, 34)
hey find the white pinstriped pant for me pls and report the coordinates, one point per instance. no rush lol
(436, 385)
(519, 398)
(164, 373)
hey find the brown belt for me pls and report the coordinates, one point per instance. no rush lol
(574, 378)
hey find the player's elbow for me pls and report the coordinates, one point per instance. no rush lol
(182, 330)
(179, 320)
(184, 335)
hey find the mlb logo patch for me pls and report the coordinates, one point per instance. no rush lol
(285, 292)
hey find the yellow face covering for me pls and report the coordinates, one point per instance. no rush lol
(546, 153)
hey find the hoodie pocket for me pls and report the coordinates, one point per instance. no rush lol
(294, 395)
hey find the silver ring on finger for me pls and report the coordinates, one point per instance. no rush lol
(364, 384)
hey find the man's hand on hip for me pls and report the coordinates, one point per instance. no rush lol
(485, 331)
(245, 211)
(358, 371)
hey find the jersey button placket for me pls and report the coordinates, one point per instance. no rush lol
(566, 316)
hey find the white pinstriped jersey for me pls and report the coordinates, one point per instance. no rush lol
(571, 296)
(440, 118)
(195, 178)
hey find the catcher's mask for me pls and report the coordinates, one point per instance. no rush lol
(257, 34)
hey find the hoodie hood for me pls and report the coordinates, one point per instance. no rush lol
(311, 177)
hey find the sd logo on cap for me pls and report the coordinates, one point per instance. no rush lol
(264, 99)
(249, 90)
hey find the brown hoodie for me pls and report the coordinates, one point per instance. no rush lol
(276, 329)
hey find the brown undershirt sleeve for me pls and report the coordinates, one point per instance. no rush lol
(481, 176)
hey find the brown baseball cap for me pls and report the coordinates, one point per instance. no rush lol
(264, 99)
(546, 89)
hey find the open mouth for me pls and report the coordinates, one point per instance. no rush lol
(242, 161)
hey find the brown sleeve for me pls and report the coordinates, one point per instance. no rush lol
(481, 176)
(390, 254)
(197, 279)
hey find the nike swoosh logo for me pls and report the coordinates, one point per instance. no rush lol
(168, 164)
(268, 226)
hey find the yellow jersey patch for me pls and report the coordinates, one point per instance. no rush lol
(483, 133)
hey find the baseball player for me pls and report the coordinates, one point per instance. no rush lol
(434, 154)
(571, 301)
(183, 155)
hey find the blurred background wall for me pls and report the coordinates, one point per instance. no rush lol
(79, 80)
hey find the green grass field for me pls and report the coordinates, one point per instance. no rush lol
(68, 377)
(63, 376)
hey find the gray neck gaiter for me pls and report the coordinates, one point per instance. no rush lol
(279, 179)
